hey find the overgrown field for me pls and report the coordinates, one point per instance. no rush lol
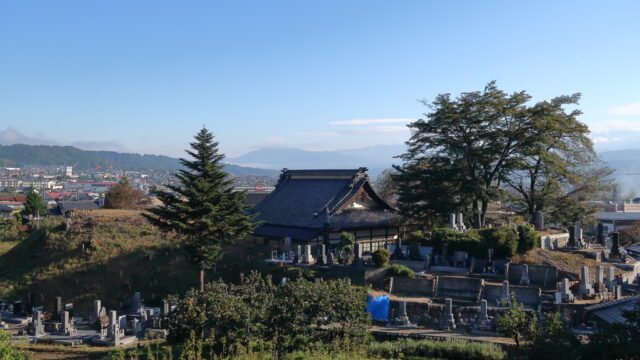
(102, 254)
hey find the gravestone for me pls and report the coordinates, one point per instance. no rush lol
(95, 312)
(38, 324)
(165, 308)
(476, 221)
(599, 275)
(57, 310)
(427, 262)
(610, 278)
(615, 244)
(557, 297)
(585, 282)
(538, 220)
(618, 292)
(323, 254)
(484, 323)
(567, 295)
(600, 234)
(448, 322)
(524, 277)
(577, 231)
(114, 328)
(460, 222)
(67, 327)
(452, 221)
(307, 258)
(460, 258)
(331, 259)
(402, 320)
(505, 295)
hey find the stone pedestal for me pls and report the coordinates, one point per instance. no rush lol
(448, 322)
(585, 282)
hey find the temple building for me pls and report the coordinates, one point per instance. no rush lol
(315, 206)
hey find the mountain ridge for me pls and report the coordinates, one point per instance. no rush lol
(20, 155)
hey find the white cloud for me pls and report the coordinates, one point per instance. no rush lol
(603, 139)
(275, 139)
(371, 121)
(615, 125)
(317, 133)
(631, 109)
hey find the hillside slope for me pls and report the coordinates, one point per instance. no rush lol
(21, 155)
(104, 254)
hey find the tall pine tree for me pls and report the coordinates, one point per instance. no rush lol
(203, 207)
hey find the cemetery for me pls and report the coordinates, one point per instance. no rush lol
(58, 324)
(456, 292)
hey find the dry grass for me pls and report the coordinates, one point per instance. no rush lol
(565, 261)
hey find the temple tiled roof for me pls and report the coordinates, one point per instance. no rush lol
(315, 199)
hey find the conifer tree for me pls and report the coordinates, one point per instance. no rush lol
(34, 205)
(203, 207)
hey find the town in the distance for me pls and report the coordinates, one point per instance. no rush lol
(319, 180)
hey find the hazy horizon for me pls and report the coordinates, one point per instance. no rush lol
(144, 76)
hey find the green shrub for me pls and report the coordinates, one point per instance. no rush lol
(401, 271)
(527, 238)
(7, 351)
(381, 258)
(447, 349)
(457, 241)
(291, 317)
(503, 241)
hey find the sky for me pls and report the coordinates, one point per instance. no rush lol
(145, 76)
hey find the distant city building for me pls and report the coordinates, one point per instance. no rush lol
(69, 171)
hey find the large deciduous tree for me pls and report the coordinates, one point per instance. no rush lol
(462, 153)
(559, 169)
(203, 207)
(488, 145)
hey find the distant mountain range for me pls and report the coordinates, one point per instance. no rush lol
(266, 161)
(20, 155)
(376, 158)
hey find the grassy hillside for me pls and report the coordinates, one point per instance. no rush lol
(122, 254)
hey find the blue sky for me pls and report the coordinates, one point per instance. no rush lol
(144, 76)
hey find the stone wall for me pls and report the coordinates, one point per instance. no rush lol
(458, 287)
(416, 286)
(430, 315)
(554, 241)
(545, 276)
(526, 295)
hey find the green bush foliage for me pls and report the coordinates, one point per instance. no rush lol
(296, 316)
(527, 238)
(8, 352)
(381, 258)
(401, 271)
(503, 241)
(447, 349)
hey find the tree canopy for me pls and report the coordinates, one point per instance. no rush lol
(122, 196)
(486, 146)
(203, 206)
(34, 205)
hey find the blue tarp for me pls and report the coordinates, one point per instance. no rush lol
(378, 306)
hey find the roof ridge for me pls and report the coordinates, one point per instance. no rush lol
(607, 304)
